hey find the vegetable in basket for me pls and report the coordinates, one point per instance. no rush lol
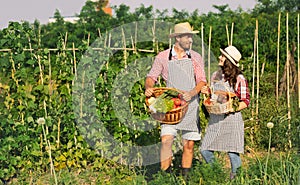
(165, 102)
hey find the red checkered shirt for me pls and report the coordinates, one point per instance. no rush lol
(242, 89)
(160, 65)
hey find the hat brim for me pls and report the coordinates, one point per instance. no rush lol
(229, 57)
(177, 34)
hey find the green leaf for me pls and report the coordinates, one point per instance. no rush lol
(30, 119)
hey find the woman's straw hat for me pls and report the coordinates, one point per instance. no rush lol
(183, 28)
(232, 54)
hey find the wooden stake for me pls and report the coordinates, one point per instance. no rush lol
(288, 79)
(29, 40)
(41, 70)
(257, 72)
(208, 55)
(278, 50)
(170, 39)
(254, 71)
(124, 48)
(227, 33)
(298, 29)
(135, 33)
(231, 39)
(109, 40)
(105, 40)
(39, 37)
(202, 42)
(65, 43)
(99, 33)
(135, 36)
(74, 59)
(51, 83)
(153, 35)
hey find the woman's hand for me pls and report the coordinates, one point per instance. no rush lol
(205, 90)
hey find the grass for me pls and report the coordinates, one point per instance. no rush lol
(283, 168)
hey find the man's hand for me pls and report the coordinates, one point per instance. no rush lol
(205, 90)
(149, 92)
(187, 96)
(149, 83)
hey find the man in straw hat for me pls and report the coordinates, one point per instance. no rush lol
(183, 69)
(225, 132)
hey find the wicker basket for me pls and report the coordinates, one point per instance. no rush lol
(174, 116)
(219, 108)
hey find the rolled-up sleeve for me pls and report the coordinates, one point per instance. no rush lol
(156, 69)
(198, 67)
(242, 90)
(159, 66)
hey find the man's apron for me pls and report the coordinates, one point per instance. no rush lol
(181, 76)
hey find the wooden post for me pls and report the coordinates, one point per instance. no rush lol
(202, 42)
(135, 33)
(65, 43)
(254, 71)
(124, 48)
(135, 36)
(298, 29)
(278, 50)
(227, 33)
(74, 59)
(30, 48)
(288, 79)
(208, 55)
(170, 39)
(105, 40)
(13, 70)
(154, 36)
(41, 70)
(99, 33)
(257, 72)
(231, 34)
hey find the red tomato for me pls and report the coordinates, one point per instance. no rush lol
(177, 102)
(182, 102)
(207, 101)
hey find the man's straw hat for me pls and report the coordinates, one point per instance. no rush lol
(183, 28)
(232, 54)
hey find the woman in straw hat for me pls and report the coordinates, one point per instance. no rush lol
(183, 69)
(225, 132)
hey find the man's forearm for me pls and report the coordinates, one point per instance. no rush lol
(149, 83)
(197, 89)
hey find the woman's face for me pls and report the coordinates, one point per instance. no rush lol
(222, 59)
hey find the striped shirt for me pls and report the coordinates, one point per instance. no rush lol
(160, 65)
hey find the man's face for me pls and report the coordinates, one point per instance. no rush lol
(185, 41)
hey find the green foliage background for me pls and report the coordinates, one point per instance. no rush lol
(37, 81)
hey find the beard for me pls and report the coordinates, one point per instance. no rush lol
(185, 46)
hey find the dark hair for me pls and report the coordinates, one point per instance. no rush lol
(230, 72)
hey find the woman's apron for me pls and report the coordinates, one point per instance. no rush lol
(181, 76)
(224, 132)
